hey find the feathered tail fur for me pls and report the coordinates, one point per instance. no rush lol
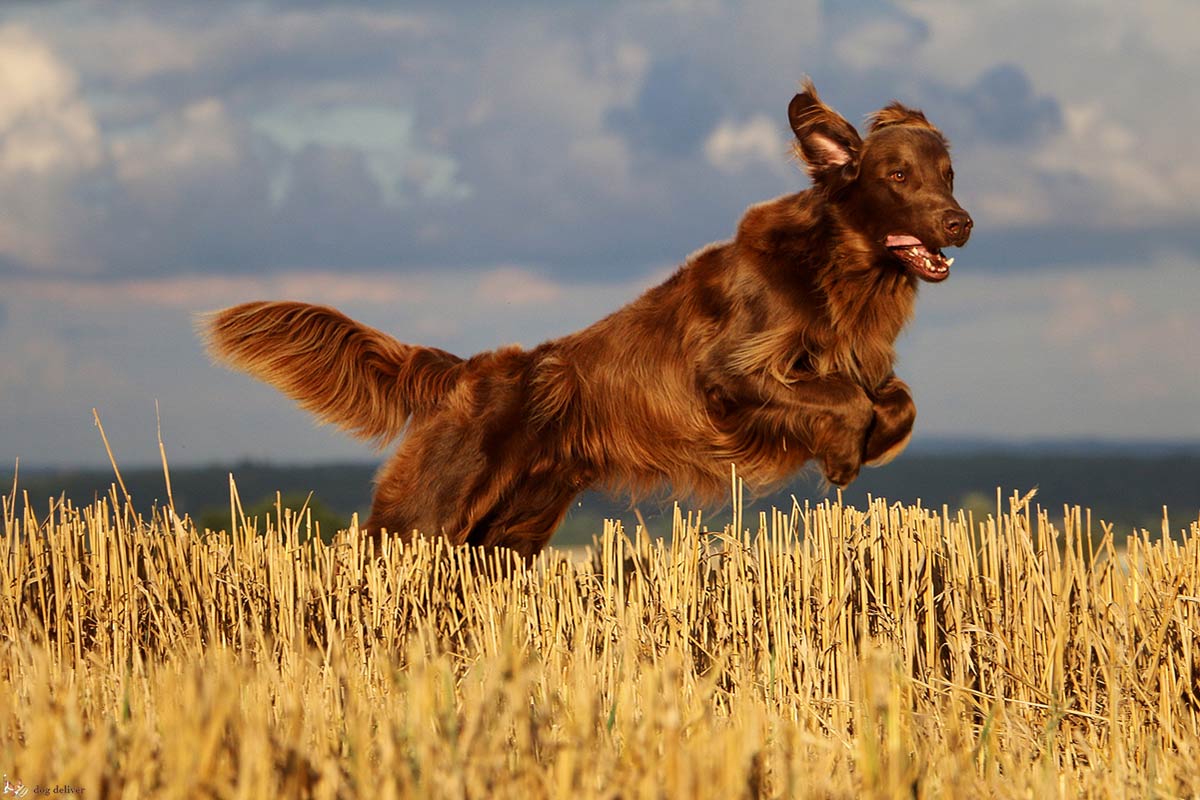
(345, 373)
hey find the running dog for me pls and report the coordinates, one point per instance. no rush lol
(764, 351)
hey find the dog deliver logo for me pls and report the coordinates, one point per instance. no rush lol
(17, 789)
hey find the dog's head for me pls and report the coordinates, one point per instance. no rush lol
(895, 188)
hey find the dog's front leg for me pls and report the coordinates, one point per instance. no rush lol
(839, 430)
(829, 417)
(891, 428)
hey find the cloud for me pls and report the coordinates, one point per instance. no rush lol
(385, 138)
(257, 53)
(189, 145)
(465, 176)
(676, 108)
(1002, 106)
(1047, 353)
(1024, 247)
(44, 125)
(1057, 353)
(63, 333)
(1138, 88)
(491, 304)
(48, 140)
(191, 191)
(516, 287)
(734, 147)
(270, 138)
(198, 174)
(872, 33)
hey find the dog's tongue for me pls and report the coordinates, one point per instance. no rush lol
(929, 265)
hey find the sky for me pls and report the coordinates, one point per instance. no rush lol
(467, 175)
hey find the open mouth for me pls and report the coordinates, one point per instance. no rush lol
(926, 264)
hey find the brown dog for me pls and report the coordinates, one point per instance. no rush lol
(764, 351)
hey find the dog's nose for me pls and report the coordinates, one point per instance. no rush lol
(957, 224)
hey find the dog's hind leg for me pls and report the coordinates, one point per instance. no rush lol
(477, 469)
(436, 484)
(467, 481)
(521, 516)
(524, 521)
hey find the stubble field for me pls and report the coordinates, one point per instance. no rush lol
(829, 651)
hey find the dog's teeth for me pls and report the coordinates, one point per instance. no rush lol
(949, 263)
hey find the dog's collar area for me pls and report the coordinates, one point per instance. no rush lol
(926, 264)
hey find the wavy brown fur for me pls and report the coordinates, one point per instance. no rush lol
(764, 351)
(342, 371)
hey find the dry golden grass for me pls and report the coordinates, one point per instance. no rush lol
(834, 652)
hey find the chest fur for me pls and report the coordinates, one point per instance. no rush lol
(852, 336)
(865, 306)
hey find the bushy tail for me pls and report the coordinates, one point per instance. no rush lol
(345, 373)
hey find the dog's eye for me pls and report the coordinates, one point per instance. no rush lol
(898, 176)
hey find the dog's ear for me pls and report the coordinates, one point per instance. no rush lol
(895, 113)
(826, 142)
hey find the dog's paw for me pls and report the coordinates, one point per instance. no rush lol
(892, 426)
(877, 455)
(841, 473)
